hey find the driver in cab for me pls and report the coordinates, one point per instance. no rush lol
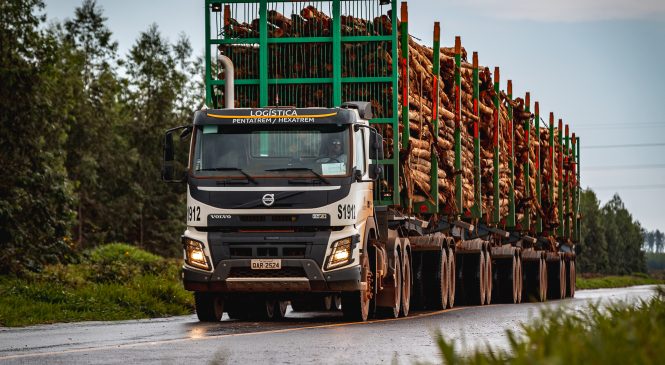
(334, 152)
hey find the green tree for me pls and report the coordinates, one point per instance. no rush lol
(98, 153)
(624, 238)
(592, 251)
(158, 97)
(36, 100)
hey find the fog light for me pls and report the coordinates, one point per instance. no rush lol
(341, 254)
(195, 255)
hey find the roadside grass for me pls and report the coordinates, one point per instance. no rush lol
(112, 282)
(616, 281)
(614, 334)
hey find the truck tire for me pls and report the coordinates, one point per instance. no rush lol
(520, 279)
(394, 310)
(488, 278)
(355, 304)
(571, 277)
(439, 296)
(209, 306)
(406, 285)
(452, 273)
(543, 276)
(562, 278)
(275, 309)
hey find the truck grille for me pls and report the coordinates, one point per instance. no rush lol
(286, 272)
(288, 250)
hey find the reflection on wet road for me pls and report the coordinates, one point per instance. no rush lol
(320, 337)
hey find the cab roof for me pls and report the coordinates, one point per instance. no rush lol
(275, 116)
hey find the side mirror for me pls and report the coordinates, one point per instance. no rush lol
(167, 166)
(169, 173)
(375, 171)
(375, 145)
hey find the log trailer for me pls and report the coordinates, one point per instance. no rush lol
(302, 183)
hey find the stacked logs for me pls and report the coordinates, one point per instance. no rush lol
(374, 59)
(550, 178)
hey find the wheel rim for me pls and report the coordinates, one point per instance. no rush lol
(398, 288)
(406, 285)
(366, 294)
(488, 278)
(481, 274)
(444, 280)
(452, 278)
(515, 279)
(520, 280)
(562, 277)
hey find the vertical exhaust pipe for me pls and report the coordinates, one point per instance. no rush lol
(229, 97)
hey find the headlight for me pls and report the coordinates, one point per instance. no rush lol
(341, 253)
(194, 254)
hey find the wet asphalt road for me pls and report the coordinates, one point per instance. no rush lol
(303, 338)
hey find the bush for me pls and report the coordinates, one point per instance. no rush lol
(616, 334)
(112, 282)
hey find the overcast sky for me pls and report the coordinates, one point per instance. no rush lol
(598, 64)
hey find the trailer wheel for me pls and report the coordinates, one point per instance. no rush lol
(276, 309)
(406, 285)
(209, 306)
(520, 279)
(543, 278)
(572, 276)
(562, 277)
(439, 286)
(355, 304)
(488, 278)
(452, 272)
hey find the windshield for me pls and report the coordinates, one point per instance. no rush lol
(271, 151)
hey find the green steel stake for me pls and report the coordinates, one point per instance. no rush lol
(458, 122)
(577, 187)
(526, 224)
(395, 118)
(497, 215)
(404, 40)
(208, 71)
(263, 53)
(477, 210)
(560, 180)
(539, 219)
(566, 187)
(436, 65)
(574, 192)
(552, 164)
(510, 222)
(337, 49)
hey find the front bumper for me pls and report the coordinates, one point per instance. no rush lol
(296, 275)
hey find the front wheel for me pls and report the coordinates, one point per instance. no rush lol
(209, 306)
(355, 304)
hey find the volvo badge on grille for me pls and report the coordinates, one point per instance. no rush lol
(268, 199)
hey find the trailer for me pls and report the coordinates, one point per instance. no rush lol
(340, 164)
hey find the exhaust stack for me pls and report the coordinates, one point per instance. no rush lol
(229, 97)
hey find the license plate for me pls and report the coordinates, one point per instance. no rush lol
(266, 264)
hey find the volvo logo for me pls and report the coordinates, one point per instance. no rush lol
(268, 199)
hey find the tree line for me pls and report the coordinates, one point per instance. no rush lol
(81, 135)
(81, 140)
(612, 241)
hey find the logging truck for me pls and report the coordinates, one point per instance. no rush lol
(340, 165)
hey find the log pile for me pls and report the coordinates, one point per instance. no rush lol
(374, 59)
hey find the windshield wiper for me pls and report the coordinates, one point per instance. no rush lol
(248, 176)
(302, 169)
